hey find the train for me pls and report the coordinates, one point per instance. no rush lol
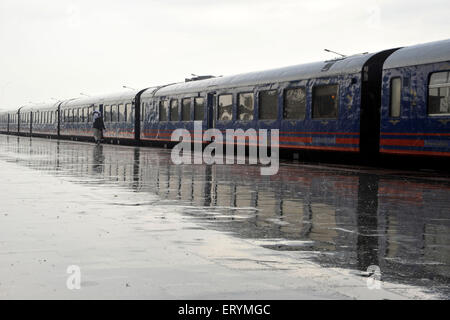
(392, 102)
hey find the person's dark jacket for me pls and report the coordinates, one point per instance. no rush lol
(99, 124)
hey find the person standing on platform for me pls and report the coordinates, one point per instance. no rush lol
(99, 126)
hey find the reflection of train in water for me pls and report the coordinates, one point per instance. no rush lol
(394, 101)
(341, 217)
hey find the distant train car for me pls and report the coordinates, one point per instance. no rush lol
(45, 119)
(327, 106)
(4, 120)
(416, 101)
(13, 123)
(25, 119)
(76, 116)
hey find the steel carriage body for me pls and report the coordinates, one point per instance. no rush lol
(118, 110)
(40, 119)
(416, 101)
(4, 122)
(25, 119)
(308, 128)
(13, 123)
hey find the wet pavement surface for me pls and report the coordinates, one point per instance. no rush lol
(336, 217)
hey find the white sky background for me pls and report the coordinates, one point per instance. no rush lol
(59, 48)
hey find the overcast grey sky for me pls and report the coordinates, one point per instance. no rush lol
(59, 48)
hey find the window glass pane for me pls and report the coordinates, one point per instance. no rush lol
(186, 109)
(107, 113)
(114, 114)
(163, 109)
(130, 113)
(439, 78)
(90, 115)
(268, 105)
(199, 108)
(325, 101)
(245, 106)
(439, 93)
(225, 107)
(174, 110)
(396, 87)
(294, 104)
(121, 113)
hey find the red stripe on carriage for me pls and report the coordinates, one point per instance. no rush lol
(413, 134)
(402, 142)
(415, 152)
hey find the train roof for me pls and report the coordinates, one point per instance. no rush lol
(348, 65)
(40, 106)
(99, 99)
(431, 52)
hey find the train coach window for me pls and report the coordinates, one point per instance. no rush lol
(107, 113)
(396, 92)
(114, 113)
(225, 107)
(122, 114)
(268, 105)
(129, 113)
(174, 110)
(163, 109)
(186, 109)
(325, 101)
(90, 114)
(439, 93)
(199, 109)
(245, 106)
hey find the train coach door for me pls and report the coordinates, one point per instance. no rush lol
(211, 110)
(371, 105)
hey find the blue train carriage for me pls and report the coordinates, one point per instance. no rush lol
(13, 122)
(45, 119)
(25, 118)
(4, 122)
(164, 112)
(118, 112)
(39, 120)
(416, 101)
(316, 106)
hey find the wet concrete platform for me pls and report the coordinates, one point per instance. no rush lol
(141, 227)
